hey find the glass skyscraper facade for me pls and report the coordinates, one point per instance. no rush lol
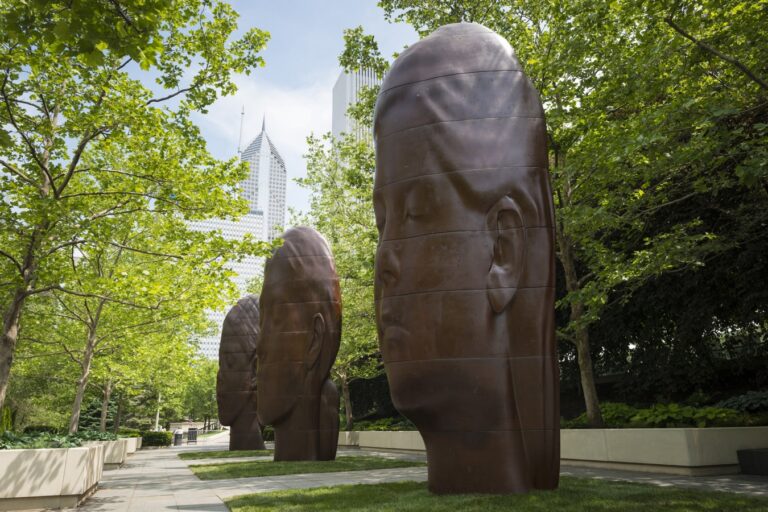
(264, 188)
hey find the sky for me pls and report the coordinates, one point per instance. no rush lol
(293, 90)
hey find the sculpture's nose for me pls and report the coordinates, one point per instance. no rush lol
(387, 267)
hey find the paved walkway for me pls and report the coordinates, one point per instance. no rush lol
(157, 480)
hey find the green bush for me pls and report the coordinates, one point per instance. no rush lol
(268, 433)
(129, 432)
(385, 424)
(34, 429)
(752, 401)
(615, 415)
(156, 438)
(11, 440)
(676, 415)
(95, 435)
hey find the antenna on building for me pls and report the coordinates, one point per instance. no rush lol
(264, 122)
(240, 139)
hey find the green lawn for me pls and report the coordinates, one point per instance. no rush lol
(271, 468)
(574, 495)
(209, 433)
(223, 454)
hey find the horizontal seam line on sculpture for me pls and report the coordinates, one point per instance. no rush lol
(466, 290)
(455, 121)
(385, 91)
(460, 231)
(479, 169)
(305, 302)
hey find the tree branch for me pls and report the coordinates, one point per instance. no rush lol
(13, 260)
(704, 46)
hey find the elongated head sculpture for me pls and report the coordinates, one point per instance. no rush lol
(300, 334)
(465, 262)
(236, 380)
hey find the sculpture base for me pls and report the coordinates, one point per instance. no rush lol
(490, 462)
(245, 433)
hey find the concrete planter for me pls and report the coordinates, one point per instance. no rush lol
(132, 445)
(48, 478)
(139, 441)
(115, 452)
(681, 451)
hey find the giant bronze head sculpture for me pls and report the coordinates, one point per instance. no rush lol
(236, 380)
(300, 334)
(465, 262)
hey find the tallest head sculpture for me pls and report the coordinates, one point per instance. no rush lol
(465, 262)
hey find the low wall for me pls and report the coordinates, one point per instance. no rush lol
(115, 452)
(48, 478)
(132, 444)
(684, 451)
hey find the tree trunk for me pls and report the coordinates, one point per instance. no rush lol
(105, 405)
(347, 403)
(581, 333)
(8, 342)
(119, 414)
(157, 416)
(82, 382)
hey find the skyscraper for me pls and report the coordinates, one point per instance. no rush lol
(346, 92)
(264, 188)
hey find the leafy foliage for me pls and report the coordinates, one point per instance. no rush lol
(11, 441)
(156, 438)
(752, 401)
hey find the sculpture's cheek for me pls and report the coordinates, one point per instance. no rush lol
(278, 390)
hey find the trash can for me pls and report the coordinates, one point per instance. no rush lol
(192, 436)
(178, 436)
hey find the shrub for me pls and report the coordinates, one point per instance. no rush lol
(95, 435)
(11, 440)
(385, 424)
(268, 433)
(676, 415)
(35, 429)
(129, 432)
(156, 438)
(615, 415)
(752, 401)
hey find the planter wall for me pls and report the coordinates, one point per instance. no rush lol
(684, 451)
(132, 444)
(115, 452)
(48, 478)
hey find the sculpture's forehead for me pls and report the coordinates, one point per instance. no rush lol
(450, 50)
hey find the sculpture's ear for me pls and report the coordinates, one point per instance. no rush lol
(316, 342)
(506, 223)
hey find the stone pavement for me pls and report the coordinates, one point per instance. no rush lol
(157, 480)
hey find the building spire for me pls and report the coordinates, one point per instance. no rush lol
(240, 139)
(264, 122)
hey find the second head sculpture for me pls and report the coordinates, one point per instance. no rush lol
(236, 379)
(300, 334)
(465, 262)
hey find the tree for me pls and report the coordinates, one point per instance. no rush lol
(340, 177)
(200, 391)
(85, 147)
(649, 106)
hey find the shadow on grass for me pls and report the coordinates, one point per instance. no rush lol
(574, 495)
(271, 468)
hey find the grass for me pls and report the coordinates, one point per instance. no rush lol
(223, 454)
(271, 468)
(574, 495)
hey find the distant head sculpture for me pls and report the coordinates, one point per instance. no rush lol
(236, 380)
(465, 263)
(300, 334)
